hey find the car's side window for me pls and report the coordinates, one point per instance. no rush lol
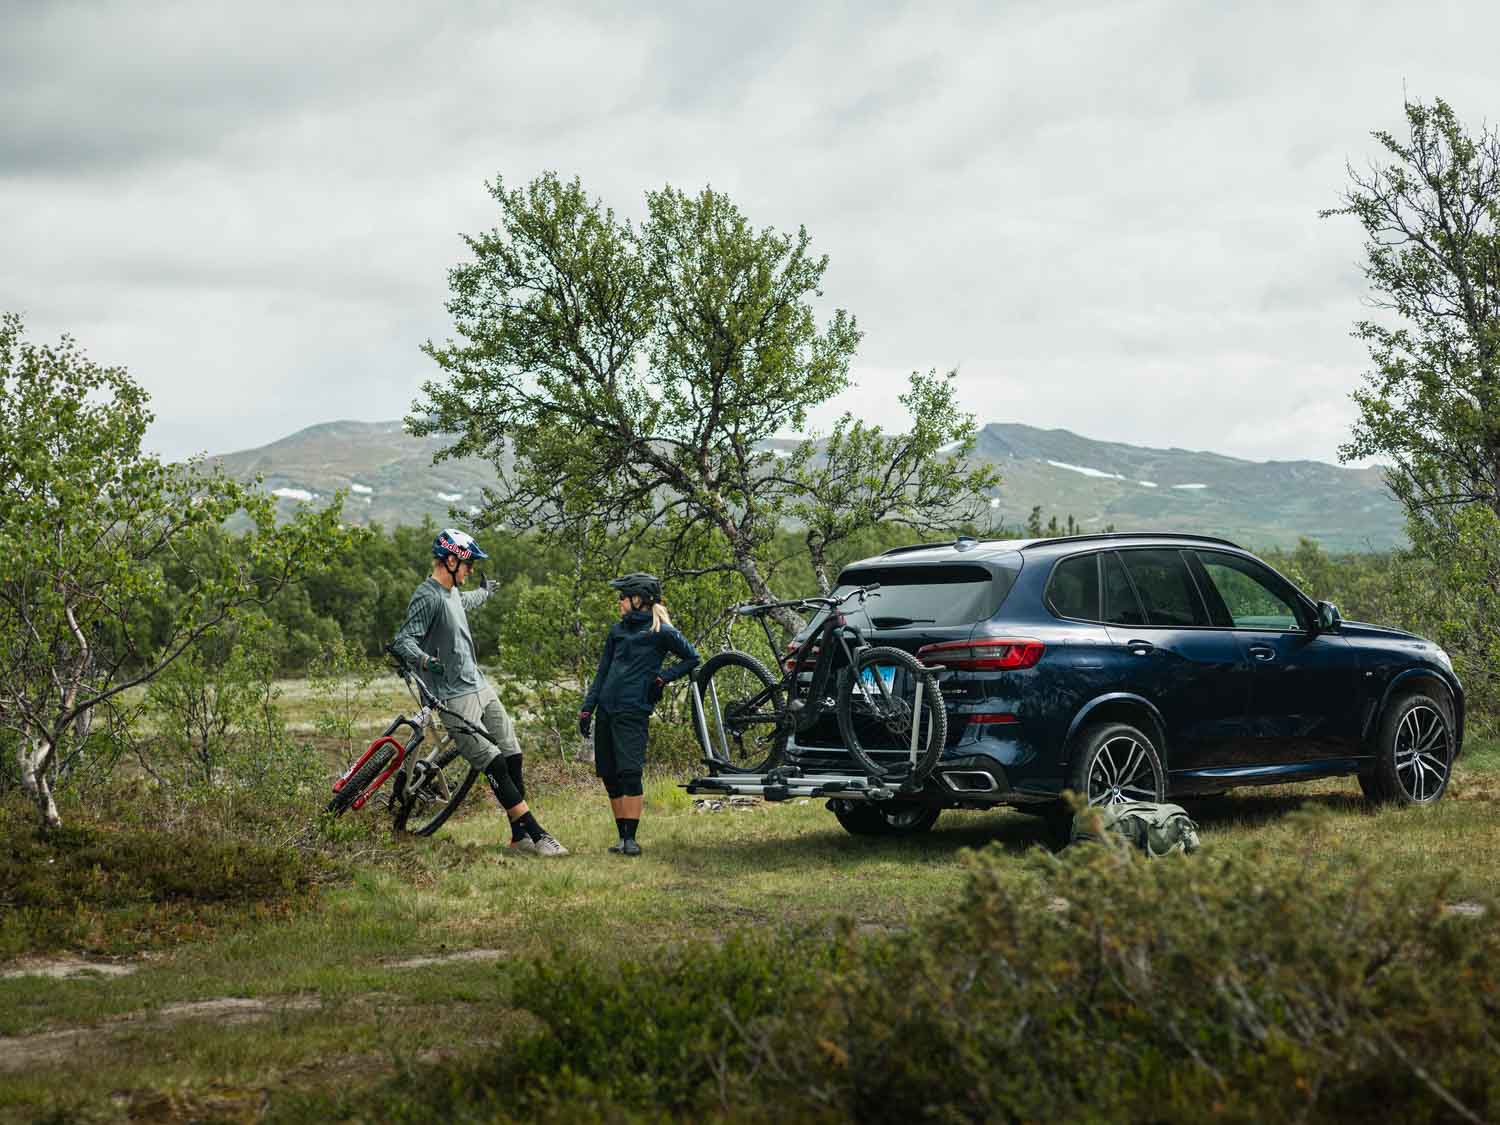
(1166, 587)
(1254, 596)
(1073, 590)
(1121, 607)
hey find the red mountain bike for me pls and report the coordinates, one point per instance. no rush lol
(428, 789)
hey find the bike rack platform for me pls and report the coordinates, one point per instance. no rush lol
(778, 786)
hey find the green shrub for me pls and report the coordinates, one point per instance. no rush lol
(1091, 986)
(88, 886)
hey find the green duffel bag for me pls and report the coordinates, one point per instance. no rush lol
(1156, 829)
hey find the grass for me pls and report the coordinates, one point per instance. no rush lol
(320, 954)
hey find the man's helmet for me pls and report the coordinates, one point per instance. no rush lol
(641, 585)
(454, 544)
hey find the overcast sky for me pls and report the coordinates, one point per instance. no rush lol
(1103, 214)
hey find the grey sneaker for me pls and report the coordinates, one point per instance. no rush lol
(629, 847)
(524, 846)
(548, 846)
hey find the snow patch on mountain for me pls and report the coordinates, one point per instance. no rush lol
(1085, 470)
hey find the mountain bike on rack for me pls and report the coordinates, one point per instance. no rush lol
(428, 789)
(890, 711)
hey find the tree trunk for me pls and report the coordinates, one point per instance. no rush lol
(32, 753)
(789, 622)
(818, 556)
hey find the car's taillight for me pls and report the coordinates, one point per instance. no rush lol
(986, 654)
(791, 658)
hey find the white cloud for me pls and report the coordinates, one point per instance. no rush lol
(1104, 215)
(450, 497)
(294, 494)
(360, 489)
(1190, 486)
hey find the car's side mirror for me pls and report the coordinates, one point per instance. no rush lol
(1329, 618)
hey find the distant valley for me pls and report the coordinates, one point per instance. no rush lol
(389, 478)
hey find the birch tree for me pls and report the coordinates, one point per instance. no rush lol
(87, 525)
(632, 377)
(1430, 405)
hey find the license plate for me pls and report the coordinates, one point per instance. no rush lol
(887, 677)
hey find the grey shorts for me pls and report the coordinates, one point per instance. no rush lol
(481, 708)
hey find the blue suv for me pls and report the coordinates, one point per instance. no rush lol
(1140, 667)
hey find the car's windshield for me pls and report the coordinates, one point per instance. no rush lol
(955, 594)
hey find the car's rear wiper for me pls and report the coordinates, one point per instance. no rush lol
(897, 622)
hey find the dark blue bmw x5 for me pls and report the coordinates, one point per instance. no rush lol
(1140, 667)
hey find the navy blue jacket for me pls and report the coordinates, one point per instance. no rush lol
(632, 660)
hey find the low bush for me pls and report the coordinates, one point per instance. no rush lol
(1319, 986)
(112, 888)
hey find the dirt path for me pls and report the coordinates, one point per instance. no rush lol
(52, 1047)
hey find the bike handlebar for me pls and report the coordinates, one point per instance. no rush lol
(754, 609)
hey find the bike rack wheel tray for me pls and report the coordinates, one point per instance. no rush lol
(786, 782)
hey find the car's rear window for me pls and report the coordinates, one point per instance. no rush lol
(928, 595)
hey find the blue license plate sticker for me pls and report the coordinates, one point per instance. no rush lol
(887, 676)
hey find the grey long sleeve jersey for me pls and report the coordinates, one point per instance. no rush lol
(437, 624)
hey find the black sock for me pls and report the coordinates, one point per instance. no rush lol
(627, 827)
(528, 824)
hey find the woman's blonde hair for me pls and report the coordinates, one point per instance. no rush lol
(659, 614)
(659, 617)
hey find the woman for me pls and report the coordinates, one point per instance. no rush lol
(624, 692)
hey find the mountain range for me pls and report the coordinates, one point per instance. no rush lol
(389, 478)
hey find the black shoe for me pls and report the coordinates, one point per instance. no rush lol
(629, 847)
(618, 847)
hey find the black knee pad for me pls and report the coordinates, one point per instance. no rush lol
(501, 785)
(513, 767)
(630, 783)
(612, 787)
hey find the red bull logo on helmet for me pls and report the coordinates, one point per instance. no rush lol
(456, 543)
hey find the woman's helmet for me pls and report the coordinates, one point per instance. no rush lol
(454, 544)
(641, 585)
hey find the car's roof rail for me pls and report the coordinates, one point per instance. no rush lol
(1132, 535)
(963, 542)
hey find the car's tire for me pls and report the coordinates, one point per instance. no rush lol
(890, 818)
(1414, 750)
(1113, 762)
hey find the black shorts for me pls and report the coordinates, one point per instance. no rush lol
(620, 742)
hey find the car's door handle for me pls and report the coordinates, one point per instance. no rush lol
(1140, 648)
(1263, 653)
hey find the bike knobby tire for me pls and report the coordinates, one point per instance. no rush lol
(878, 727)
(361, 780)
(426, 807)
(742, 714)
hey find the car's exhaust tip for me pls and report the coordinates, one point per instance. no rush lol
(971, 781)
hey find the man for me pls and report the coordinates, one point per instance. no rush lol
(435, 640)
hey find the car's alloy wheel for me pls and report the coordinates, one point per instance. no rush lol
(1115, 763)
(1122, 771)
(1423, 753)
(1414, 757)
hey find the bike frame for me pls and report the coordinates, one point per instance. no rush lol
(801, 710)
(403, 751)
